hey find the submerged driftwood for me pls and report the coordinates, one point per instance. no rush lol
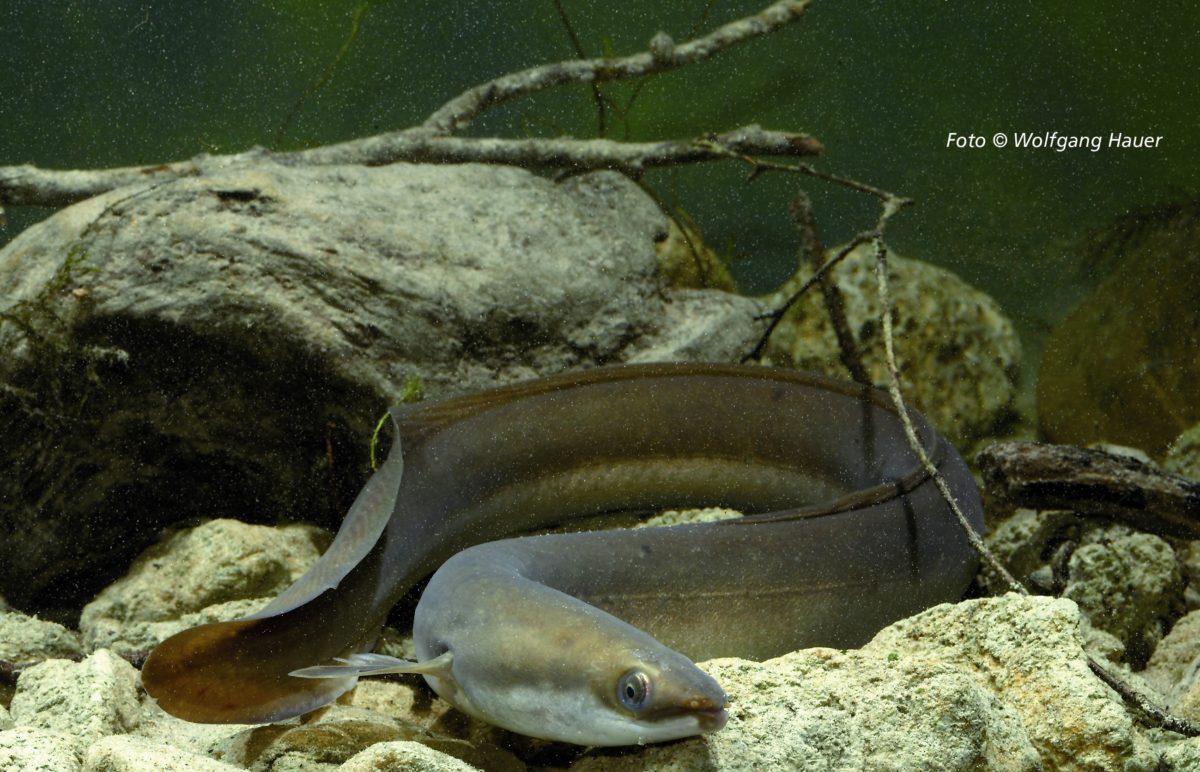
(1092, 482)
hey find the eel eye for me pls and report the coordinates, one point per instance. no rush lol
(633, 690)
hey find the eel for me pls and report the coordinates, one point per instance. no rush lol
(590, 637)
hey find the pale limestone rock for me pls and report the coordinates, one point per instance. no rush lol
(337, 733)
(1183, 756)
(24, 639)
(688, 516)
(219, 562)
(998, 683)
(30, 749)
(964, 685)
(409, 756)
(1029, 652)
(86, 700)
(122, 753)
(1128, 584)
(1175, 656)
(156, 726)
(1183, 456)
(1174, 668)
(136, 639)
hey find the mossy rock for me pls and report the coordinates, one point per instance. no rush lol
(686, 262)
(1123, 367)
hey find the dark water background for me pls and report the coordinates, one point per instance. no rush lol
(93, 84)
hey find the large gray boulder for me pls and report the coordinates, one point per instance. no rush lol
(224, 343)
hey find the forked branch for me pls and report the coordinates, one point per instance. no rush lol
(433, 141)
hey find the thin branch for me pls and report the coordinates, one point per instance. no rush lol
(1149, 712)
(28, 185)
(835, 306)
(664, 55)
(891, 205)
(32, 186)
(560, 153)
(776, 315)
(889, 350)
(577, 44)
(759, 166)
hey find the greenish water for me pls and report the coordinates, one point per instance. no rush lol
(881, 84)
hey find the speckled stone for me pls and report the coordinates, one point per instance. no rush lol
(85, 700)
(1171, 668)
(31, 749)
(122, 753)
(220, 562)
(1128, 584)
(958, 353)
(1183, 455)
(24, 639)
(410, 756)
(998, 683)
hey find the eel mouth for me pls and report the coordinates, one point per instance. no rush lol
(711, 720)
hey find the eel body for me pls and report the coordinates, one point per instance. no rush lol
(590, 637)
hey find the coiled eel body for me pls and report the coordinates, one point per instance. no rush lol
(590, 637)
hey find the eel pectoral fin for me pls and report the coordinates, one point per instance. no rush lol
(378, 664)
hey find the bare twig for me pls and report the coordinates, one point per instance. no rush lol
(889, 351)
(891, 205)
(759, 166)
(1143, 706)
(32, 186)
(1151, 714)
(1092, 482)
(577, 45)
(430, 142)
(664, 55)
(813, 253)
(776, 315)
(560, 153)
